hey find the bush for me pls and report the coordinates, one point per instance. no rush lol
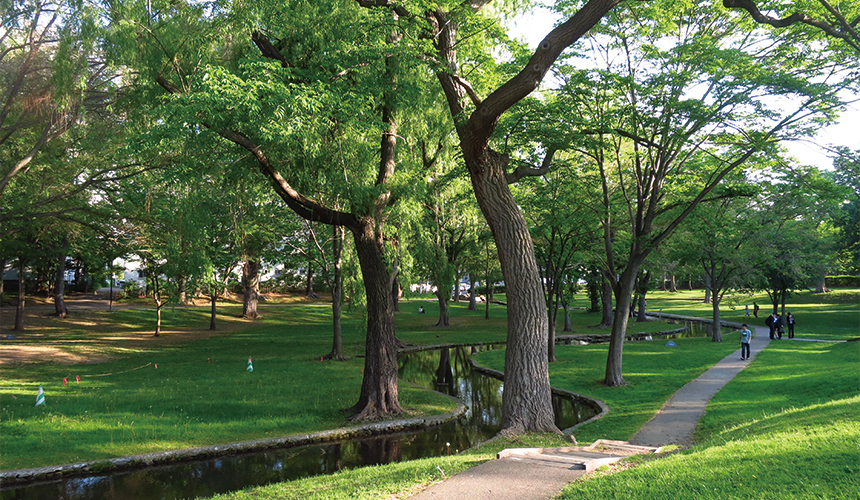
(843, 281)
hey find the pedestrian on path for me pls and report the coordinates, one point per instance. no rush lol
(748, 311)
(777, 326)
(789, 320)
(770, 322)
(755, 309)
(746, 337)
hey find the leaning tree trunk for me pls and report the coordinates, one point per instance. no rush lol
(379, 397)
(251, 281)
(623, 297)
(527, 399)
(60, 308)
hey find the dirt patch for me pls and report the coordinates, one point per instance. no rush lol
(46, 337)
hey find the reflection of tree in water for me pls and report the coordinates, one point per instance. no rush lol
(380, 451)
(445, 374)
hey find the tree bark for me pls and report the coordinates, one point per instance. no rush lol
(379, 396)
(442, 299)
(473, 298)
(182, 284)
(251, 282)
(395, 294)
(716, 333)
(607, 317)
(213, 298)
(623, 295)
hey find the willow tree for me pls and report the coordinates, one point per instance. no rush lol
(316, 107)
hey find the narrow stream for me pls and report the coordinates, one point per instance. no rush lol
(445, 370)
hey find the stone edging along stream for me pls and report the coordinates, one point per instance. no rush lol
(18, 477)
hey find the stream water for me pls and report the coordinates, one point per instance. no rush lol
(445, 370)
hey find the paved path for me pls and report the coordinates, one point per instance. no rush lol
(515, 478)
(674, 423)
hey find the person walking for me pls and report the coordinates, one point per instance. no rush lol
(769, 322)
(746, 337)
(755, 309)
(748, 311)
(789, 320)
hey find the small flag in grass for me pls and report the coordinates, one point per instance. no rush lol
(250, 365)
(40, 397)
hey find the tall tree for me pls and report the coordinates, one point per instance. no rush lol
(683, 89)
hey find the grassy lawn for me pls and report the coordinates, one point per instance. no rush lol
(831, 316)
(790, 418)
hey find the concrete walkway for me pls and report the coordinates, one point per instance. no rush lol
(513, 476)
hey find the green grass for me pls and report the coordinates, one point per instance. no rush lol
(129, 406)
(790, 415)
(652, 370)
(786, 427)
(831, 316)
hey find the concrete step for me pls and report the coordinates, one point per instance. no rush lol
(601, 452)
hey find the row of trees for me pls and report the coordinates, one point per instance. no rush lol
(197, 124)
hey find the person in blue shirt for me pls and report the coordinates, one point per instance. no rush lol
(746, 337)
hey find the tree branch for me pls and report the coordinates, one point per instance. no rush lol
(530, 171)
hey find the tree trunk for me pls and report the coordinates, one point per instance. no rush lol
(60, 308)
(820, 284)
(395, 294)
(473, 297)
(2, 285)
(623, 296)
(526, 401)
(707, 289)
(568, 326)
(213, 298)
(716, 334)
(309, 285)
(606, 319)
(19, 311)
(441, 297)
(183, 293)
(158, 305)
(674, 285)
(251, 281)
(337, 294)
(379, 397)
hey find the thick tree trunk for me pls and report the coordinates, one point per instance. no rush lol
(473, 297)
(820, 284)
(442, 299)
(379, 397)
(251, 282)
(19, 311)
(60, 308)
(568, 326)
(526, 401)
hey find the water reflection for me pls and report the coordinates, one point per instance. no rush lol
(445, 370)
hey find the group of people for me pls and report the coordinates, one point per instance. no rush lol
(777, 325)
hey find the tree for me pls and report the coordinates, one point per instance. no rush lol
(847, 216)
(668, 149)
(837, 21)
